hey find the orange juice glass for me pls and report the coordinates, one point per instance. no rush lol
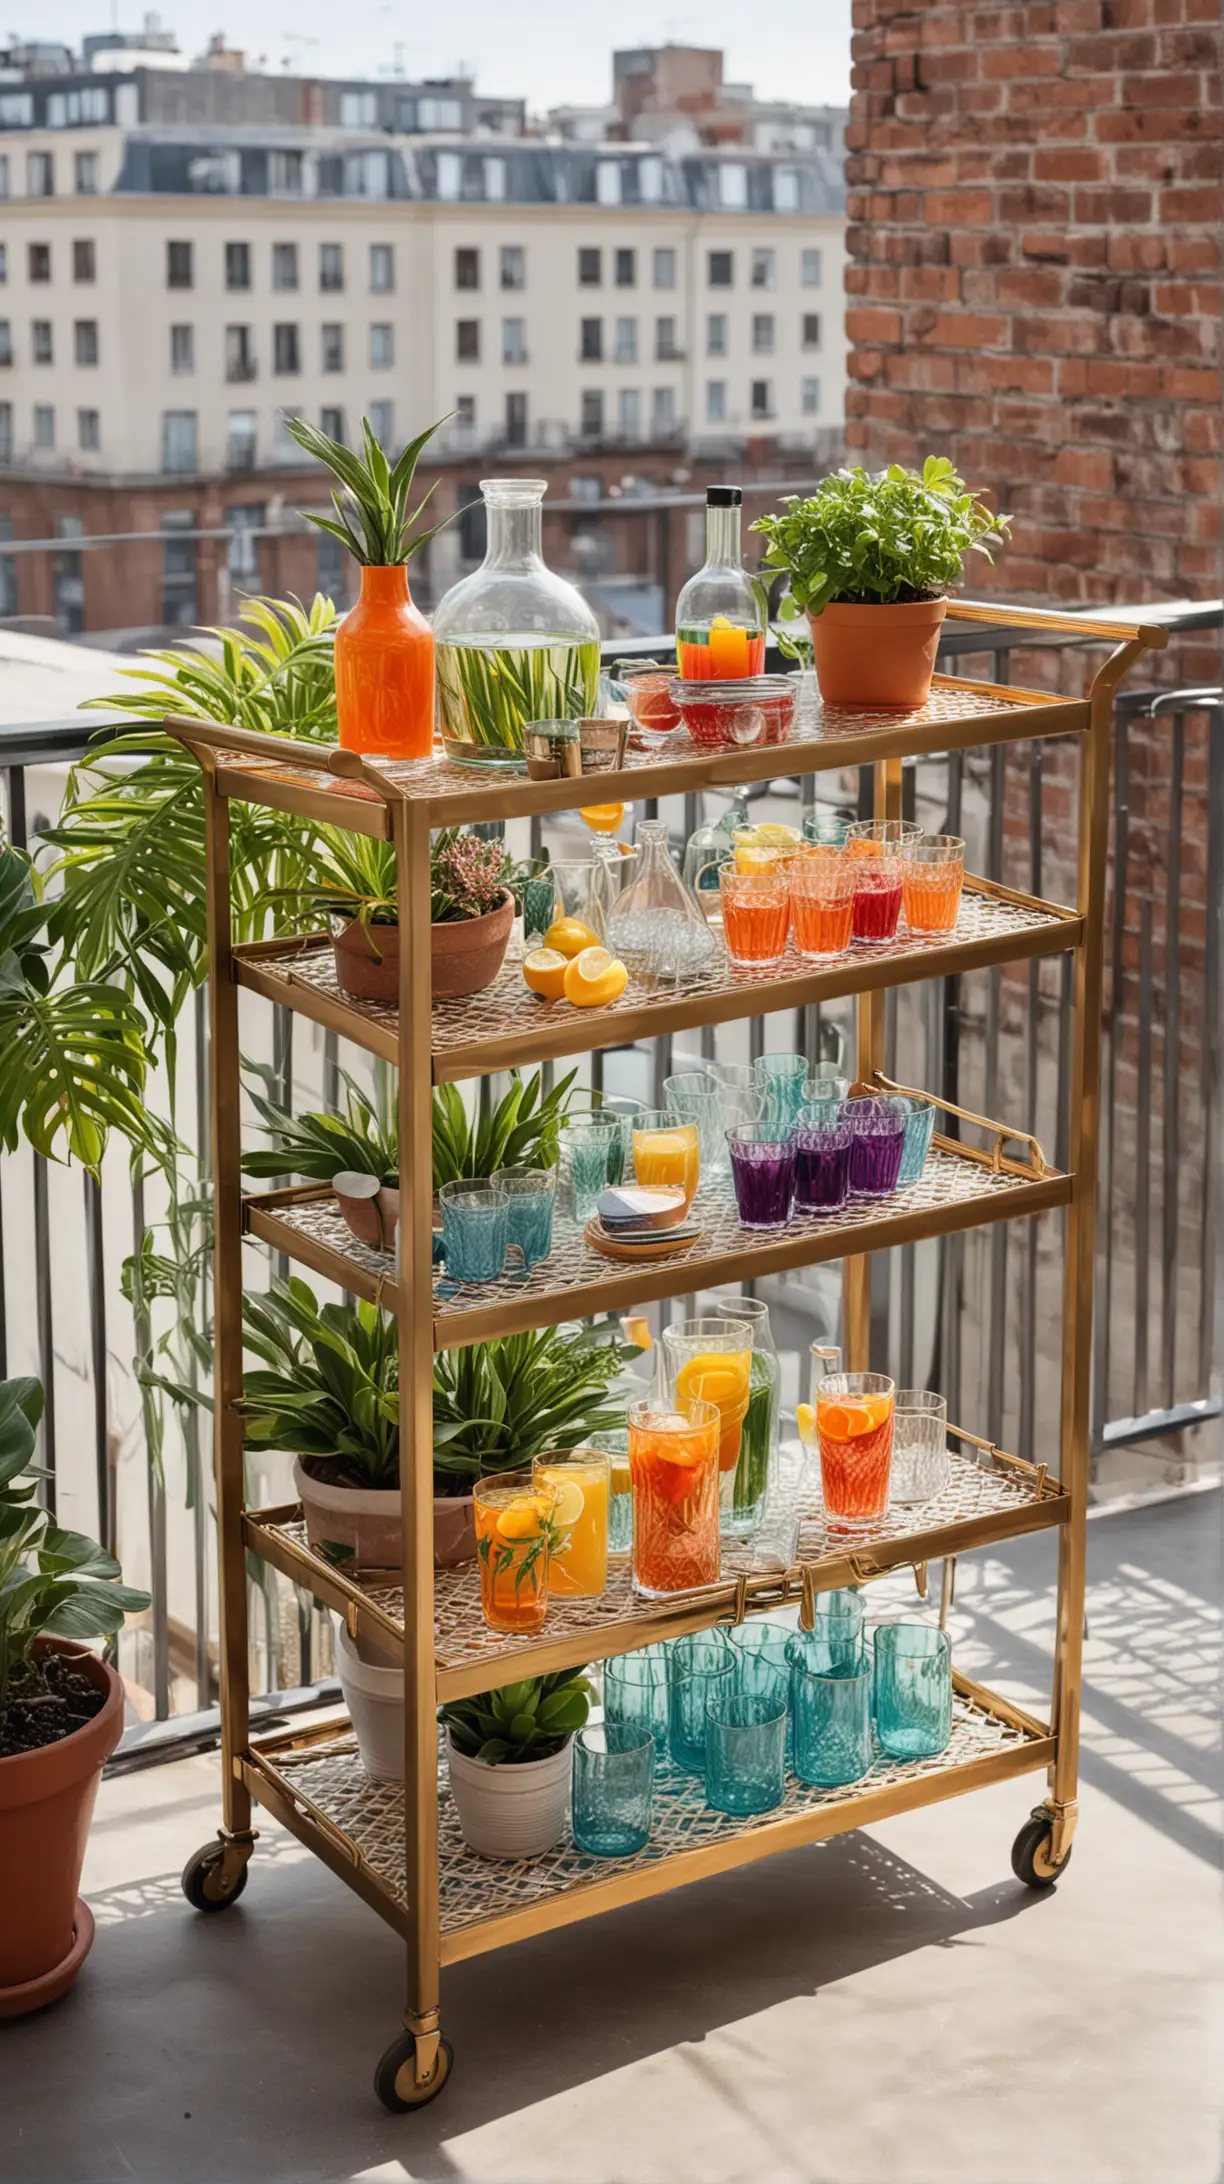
(712, 1360)
(667, 1152)
(854, 1427)
(579, 1564)
(822, 882)
(755, 913)
(516, 1536)
(932, 876)
(673, 1461)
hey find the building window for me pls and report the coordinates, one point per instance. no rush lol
(663, 270)
(44, 425)
(516, 419)
(733, 185)
(513, 266)
(285, 171)
(467, 340)
(179, 429)
(242, 552)
(762, 398)
(178, 569)
(450, 175)
(85, 174)
(716, 401)
(494, 179)
(6, 342)
(84, 260)
(626, 269)
(663, 410)
(811, 329)
(719, 269)
(89, 431)
(40, 175)
(465, 414)
(6, 456)
(332, 566)
(608, 182)
(40, 341)
(810, 269)
(5, 190)
(667, 348)
(3, 262)
(786, 189)
(182, 349)
(286, 350)
(592, 419)
(626, 348)
(591, 344)
(809, 397)
(382, 347)
(358, 110)
(382, 268)
(68, 580)
(514, 341)
(331, 266)
(85, 341)
(237, 265)
(716, 333)
(762, 333)
(284, 265)
(629, 412)
(38, 261)
(590, 269)
(240, 440)
(239, 356)
(381, 416)
(178, 265)
(331, 421)
(467, 269)
(331, 347)
(764, 267)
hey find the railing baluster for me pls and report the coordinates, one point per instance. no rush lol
(1170, 1088)
(1143, 1170)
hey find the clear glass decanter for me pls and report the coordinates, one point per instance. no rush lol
(758, 1446)
(656, 927)
(512, 642)
(709, 848)
(721, 612)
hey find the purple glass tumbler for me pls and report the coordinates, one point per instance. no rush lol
(822, 1165)
(763, 1171)
(878, 1141)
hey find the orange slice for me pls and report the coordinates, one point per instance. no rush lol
(602, 818)
(521, 1518)
(594, 978)
(569, 936)
(544, 970)
(854, 1415)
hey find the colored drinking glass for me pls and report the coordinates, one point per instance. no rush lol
(854, 1427)
(667, 1151)
(711, 1359)
(919, 1130)
(756, 914)
(822, 1166)
(531, 1196)
(837, 1628)
(699, 1668)
(932, 876)
(831, 1715)
(913, 1690)
(920, 1460)
(780, 1080)
(875, 848)
(516, 1533)
(745, 1753)
(822, 883)
(877, 1144)
(580, 1558)
(673, 1461)
(614, 1444)
(592, 1152)
(475, 1230)
(759, 1442)
(692, 1096)
(763, 1171)
(612, 1790)
(635, 1693)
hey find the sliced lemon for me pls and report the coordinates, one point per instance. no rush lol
(595, 978)
(569, 936)
(544, 970)
(635, 1327)
(805, 1419)
(602, 818)
(570, 1499)
(767, 835)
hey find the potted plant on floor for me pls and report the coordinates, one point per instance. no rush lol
(871, 560)
(61, 1716)
(508, 1756)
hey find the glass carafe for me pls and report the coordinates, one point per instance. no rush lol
(721, 612)
(758, 1446)
(708, 849)
(656, 927)
(513, 643)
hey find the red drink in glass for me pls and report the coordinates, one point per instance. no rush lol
(854, 1426)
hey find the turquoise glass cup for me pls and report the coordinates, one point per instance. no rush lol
(612, 1790)
(692, 1096)
(919, 1130)
(475, 1230)
(838, 1629)
(913, 1690)
(780, 1079)
(614, 1443)
(831, 1714)
(699, 1669)
(531, 1195)
(635, 1692)
(592, 1156)
(745, 1769)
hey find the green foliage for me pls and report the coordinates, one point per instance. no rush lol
(345, 876)
(864, 540)
(521, 1721)
(363, 1140)
(467, 876)
(53, 1583)
(375, 523)
(522, 1131)
(74, 1062)
(498, 1404)
(329, 1384)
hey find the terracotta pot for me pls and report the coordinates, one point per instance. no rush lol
(372, 1221)
(385, 670)
(367, 961)
(367, 1520)
(466, 954)
(877, 656)
(46, 1804)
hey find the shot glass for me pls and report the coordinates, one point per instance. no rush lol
(745, 1767)
(932, 876)
(475, 1230)
(822, 881)
(822, 1166)
(763, 1172)
(781, 1079)
(756, 914)
(612, 1790)
(635, 1692)
(854, 1427)
(913, 1689)
(919, 1130)
(516, 1532)
(693, 1096)
(614, 1444)
(878, 1141)
(531, 1196)
(667, 1150)
(920, 1460)
(592, 1152)
(699, 1668)
(831, 1715)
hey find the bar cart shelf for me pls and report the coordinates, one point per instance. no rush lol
(401, 1850)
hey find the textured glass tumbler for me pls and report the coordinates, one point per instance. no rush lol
(838, 1632)
(531, 1194)
(699, 1669)
(755, 913)
(879, 1141)
(932, 876)
(635, 1692)
(592, 1155)
(919, 1130)
(614, 1444)
(913, 1690)
(745, 1769)
(613, 1787)
(831, 1716)
(920, 1460)
(693, 1097)
(475, 1230)
(763, 1172)
(822, 1164)
(780, 1079)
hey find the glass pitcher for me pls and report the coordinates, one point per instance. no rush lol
(655, 926)
(512, 642)
(709, 848)
(758, 1447)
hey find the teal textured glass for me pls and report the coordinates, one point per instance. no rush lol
(781, 1078)
(531, 1194)
(699, 1669)
(615, 1443)
(824, 826)
(839, 1626)
(745, 1754)
(913, 1690)
(919, 1130)
(692, 1096)
(474, 1230)
(831, 1715)
(613, 1788)
(592, 1154)
(635, 1692)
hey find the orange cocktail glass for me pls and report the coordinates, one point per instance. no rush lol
(516, 1536)
(726, 652)
(854, 1426)
(932, 876)
(667, 1152)
(822, 886)
(756, 909)
(673, 1462)
(712, 1359)
(579, 1563)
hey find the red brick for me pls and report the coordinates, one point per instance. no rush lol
(958, 208)
(873, 326)
(1070, 163)
(1182, 207)
(967, 330)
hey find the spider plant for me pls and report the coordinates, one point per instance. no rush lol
(347, 876)
(329, 1384)
(375, 522)
(521, 1131)
(498, 1404)
(363, 1140)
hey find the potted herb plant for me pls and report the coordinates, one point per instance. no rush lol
(508, 1758)
(871, 559)
(384, 645)
(472, 910)
(61, 1716)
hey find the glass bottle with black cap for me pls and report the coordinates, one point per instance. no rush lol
(721, 612)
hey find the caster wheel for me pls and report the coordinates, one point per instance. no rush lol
(1031, 1860)
(214, 1878)
(394, 2082)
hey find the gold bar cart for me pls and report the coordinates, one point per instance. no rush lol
(400, 1849)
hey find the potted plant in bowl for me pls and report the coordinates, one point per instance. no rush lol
(61, 1716)
(871, 560)
(508, 1755)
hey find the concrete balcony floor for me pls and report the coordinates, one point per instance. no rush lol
(889, 2006)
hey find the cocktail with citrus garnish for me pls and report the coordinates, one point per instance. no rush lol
(516, 1536)
(854, 1426)
(579, 1565)
(712, 1359)
(673, 1460)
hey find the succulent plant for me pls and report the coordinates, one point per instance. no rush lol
(521, 1721)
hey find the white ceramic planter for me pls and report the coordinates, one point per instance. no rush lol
(374, 1695)
(367, 1521)
(511, 1812)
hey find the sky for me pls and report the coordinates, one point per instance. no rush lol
(543, 50)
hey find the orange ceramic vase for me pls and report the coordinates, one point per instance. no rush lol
(385, 670)
(877, 656)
